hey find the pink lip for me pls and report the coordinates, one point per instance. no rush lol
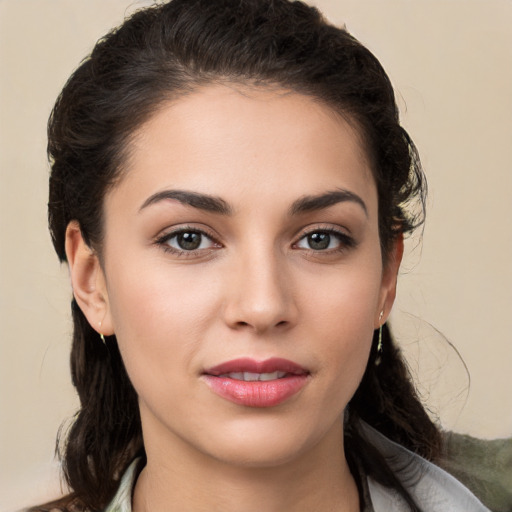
(256, 393)
(246, 364)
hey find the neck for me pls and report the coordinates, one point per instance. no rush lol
(186, 480)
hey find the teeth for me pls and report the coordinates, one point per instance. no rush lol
(249, 377)
(252, 377)
(269, 376)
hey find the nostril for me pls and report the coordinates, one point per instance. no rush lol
(242, 324)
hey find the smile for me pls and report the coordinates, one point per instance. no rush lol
(256, 383)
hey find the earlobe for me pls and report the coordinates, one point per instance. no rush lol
(87, 280)
(389, 280)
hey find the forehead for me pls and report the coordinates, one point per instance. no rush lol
(234, 140)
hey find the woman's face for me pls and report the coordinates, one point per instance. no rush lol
(242, 243)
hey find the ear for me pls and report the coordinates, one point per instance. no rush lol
(88, 280)
(389, 280)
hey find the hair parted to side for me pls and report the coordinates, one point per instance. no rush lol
(159, 54)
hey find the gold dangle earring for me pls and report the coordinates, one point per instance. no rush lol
(102, 337)
(379, 343)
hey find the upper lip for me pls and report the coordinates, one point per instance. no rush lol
(245, 364)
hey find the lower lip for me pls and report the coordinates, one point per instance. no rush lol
(256, 393)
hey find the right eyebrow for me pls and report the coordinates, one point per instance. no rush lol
(194, 199)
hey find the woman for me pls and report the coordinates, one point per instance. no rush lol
(230, 188)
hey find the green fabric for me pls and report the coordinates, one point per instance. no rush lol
(484, 467)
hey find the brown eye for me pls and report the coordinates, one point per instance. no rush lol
(319, 241)
(187, 241)
(325, 240)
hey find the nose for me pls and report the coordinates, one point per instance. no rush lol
(260, 296)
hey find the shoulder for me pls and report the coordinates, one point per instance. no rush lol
(433, 489)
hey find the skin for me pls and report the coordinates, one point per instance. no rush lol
(254, 288)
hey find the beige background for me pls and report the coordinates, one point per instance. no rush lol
(451, 64)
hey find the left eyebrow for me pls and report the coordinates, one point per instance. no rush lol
(321, 201)
(200, 201)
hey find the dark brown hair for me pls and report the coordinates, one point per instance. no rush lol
(161, 53)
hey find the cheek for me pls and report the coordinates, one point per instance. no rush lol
(158, 298)
(158, 318)
(345, 299)
(342, 316)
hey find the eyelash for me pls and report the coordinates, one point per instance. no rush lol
(346, 242)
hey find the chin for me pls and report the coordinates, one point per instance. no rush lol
(260, 445)
(259, 455)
